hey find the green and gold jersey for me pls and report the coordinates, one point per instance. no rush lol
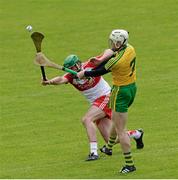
(122, 66)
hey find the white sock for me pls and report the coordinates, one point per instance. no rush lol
(93, 148)
(134, 134)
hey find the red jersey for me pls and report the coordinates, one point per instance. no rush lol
(92, 87)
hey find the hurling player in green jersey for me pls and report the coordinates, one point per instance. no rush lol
(122, 67)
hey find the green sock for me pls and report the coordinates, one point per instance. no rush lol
(128, 159)
(111, 142)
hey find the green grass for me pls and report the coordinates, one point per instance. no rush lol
(41, 135)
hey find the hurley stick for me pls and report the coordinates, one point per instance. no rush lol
(37, 38)
(42, 60)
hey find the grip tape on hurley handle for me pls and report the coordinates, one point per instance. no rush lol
(43, 73)
(69, 71)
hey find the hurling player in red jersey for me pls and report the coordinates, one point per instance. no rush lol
(97, 92)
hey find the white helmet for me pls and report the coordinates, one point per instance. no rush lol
(119, 35)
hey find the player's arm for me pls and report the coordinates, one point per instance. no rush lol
(108, 53)
(98, 71)
(55, 81)
(93, 73)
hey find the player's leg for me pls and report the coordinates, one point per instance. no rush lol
(104, 126)
(137, 135)
(93, 114)
(112, 140)
(120, 120)
(122, 97)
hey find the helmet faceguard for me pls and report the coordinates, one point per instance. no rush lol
(118, 38)
(72, 62)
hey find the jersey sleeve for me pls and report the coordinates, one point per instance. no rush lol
(113, 60)
(68, 76)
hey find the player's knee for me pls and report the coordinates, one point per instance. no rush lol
(85, 120)
(121, 134)
(123, 138)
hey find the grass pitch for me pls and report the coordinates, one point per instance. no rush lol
(40, 131)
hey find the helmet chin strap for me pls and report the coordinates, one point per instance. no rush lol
(120, 47)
